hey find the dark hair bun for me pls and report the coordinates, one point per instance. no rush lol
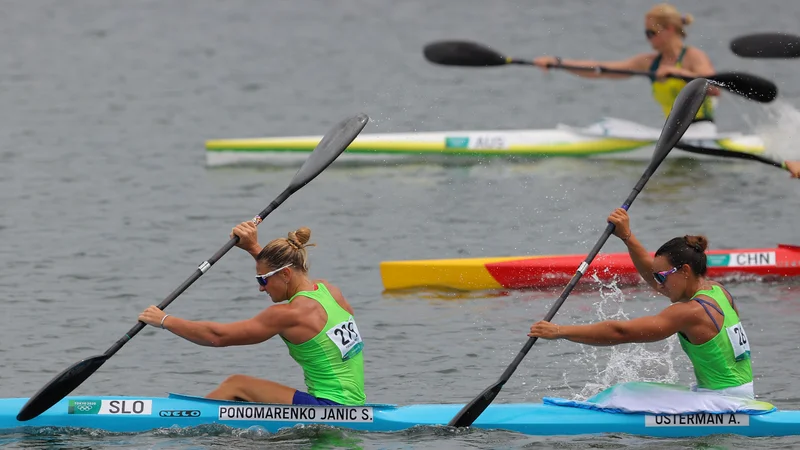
(699, 243)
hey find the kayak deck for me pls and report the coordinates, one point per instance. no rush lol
(137, 414)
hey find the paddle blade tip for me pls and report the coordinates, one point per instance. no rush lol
(332, 144)
(59, 387)
(462, 53)
(767, 45)
(348, 129)
(363, 120)
(356, 124)
(748, 85)
(472, 410)
(684, 110)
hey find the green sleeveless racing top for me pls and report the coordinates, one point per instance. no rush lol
(332, 361)
(723, 361)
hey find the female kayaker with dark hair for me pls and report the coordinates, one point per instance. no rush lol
(316, 324)
(702, 313)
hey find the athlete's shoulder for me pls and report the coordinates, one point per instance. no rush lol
(335, 291)
(684, 310)
(694, 53)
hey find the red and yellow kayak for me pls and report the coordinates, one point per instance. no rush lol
(521, 272)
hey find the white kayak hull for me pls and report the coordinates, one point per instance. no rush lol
(609, 138)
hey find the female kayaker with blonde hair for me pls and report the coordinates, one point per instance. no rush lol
(665, 29)
(702, 313)
(316, 324)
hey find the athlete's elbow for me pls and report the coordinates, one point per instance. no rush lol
(639, 337)
(611, 334)
(213, 338)
(620, 334)
(219, 341)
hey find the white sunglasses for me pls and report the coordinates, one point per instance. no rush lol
(262, 279)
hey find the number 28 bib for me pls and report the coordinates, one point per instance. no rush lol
(347, 338)
(741, 347)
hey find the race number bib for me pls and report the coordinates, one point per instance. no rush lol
(741, 347)
(347, 338)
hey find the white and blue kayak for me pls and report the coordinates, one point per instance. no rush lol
(138, 414)
(608, 138)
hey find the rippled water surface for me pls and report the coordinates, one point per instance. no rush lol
(107, 205)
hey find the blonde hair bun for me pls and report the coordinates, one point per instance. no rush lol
(299, 238)
(289, 250)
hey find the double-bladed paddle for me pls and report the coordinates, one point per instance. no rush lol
(767, 45)
(731, 154)
(684, 109)
(329, 148)
(470, 54)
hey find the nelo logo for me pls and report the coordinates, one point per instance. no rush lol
(179, 413)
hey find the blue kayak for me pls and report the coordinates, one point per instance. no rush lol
(136, 414)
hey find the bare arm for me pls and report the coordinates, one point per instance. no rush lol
(639, 255)
(793, 167)
(613, 332)
(641, 260)
(265, 325)
(637, 63)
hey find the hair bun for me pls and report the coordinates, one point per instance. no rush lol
(298, 239)
(687, 19)
(699, 243)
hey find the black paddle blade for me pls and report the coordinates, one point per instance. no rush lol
(686, 106)
(747, 85)
(730, 154)
(767, 45)
(333, 144)
(476, 407)
(461, 53)
(60, 386)
(329, 148)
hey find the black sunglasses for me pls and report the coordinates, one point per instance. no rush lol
(650, 33)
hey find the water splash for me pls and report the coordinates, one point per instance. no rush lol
(778, 126)
(624, 363)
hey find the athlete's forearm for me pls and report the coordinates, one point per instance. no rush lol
(201, 333)
(641, 259)
(597, 334)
